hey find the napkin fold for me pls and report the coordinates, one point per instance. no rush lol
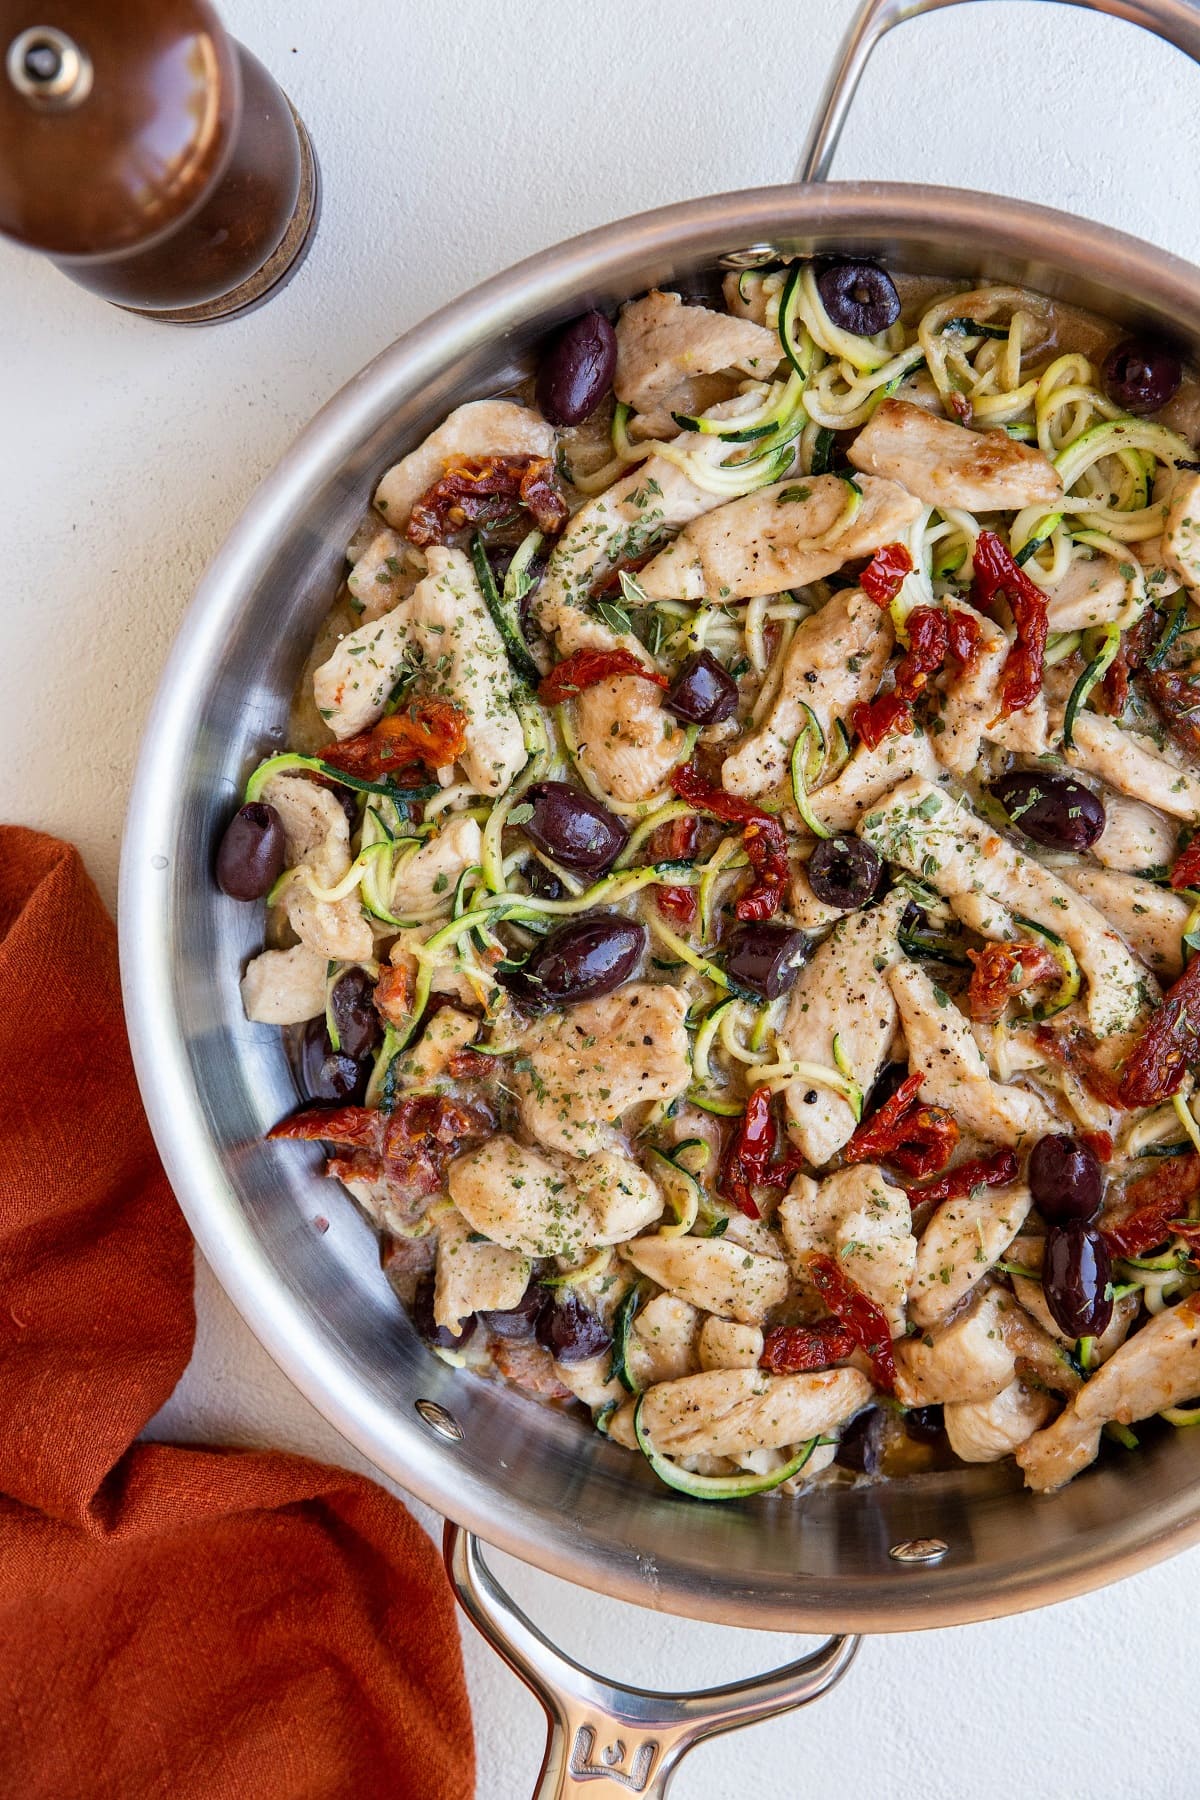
(202, 1624)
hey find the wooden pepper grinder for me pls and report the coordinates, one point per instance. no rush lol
(151, 157)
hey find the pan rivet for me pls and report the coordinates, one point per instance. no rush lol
(439, 1420)
(754, 256)
(919, 1550)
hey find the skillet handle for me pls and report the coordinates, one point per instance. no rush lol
(620, 1740)
(1176, 21)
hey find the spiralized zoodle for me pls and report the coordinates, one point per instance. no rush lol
(730, 890)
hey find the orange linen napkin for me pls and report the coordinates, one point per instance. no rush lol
(201, 1624)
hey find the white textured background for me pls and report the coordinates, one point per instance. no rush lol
(453, 141)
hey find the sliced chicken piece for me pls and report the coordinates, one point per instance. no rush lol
(376, 581)
(1150, 918)
(352, 687)
(731, 1412)
(1135, 837)
(427, 877)
(965, 1360)
(836, 659)
(527, 1202)
(959, 1245)
(1132, 763)
(949, 846)
(1181, 531)
(662, 344)
(841, 992)
(783, 536)
(713, 1274)
(970, 699)
(724, 1344)
(984, 1431)
(1158, 1367)
(447, 1031)
(1092, 592)
(480, 428)
(953, 1072)
(628, 741)
(590, 1063)
(317, 837)
(948, 465)
(284, 987)
(858, 1217)
(662, 1341)
(869, 774)
(473, 1276)
(591, 1380)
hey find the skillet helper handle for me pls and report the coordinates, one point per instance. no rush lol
(1175, 21)
(610, 1740)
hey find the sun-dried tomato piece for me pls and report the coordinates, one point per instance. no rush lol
(918, 1139)
(356, 1127)
(1186, 872)
(752, 1156)
(986, 1171)
(997, 573)
(429, 731)
(1074, 1050)
(408, 1147)
(678, 903)
(675, 841)
(804, 1349)
(1099, 1143)
(928, 637)
(484, 490)
(1159, 1060)
(875, 720)
(586, 668)
(762, 835)
(1002, 972)
(469, 1065)
(964, 635)
(393, 994)
(859, 1314)
(1177, 699)
(1152, 1202)
(883, 576)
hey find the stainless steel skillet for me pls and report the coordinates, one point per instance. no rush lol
(929, 1551)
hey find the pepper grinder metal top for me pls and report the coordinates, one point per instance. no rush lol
(151, 157)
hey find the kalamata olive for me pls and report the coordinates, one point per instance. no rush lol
(580, 959)
(924, 1424)
(844, 872)
(859, 297)
(1054, 810)
(861, 1444)
(576, 370)
(542, 881)
(440, 1336)
(326, 1073)
(352, 1005)
(1140, 376)
(570, 1330)
(703, 693)
(763, 958)
(574, 829)
(251, 854)
(1065, 1181)
(519, 1321)
(1076, 1278)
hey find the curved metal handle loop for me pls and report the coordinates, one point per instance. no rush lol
(1176, 21)
(607, 1739)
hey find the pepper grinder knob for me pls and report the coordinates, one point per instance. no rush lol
(151, 156)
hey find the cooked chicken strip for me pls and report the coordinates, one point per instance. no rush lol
(1135, 837)
(1092, 592)
(713, 1274)
(729, 1412)
(869, 774)
(1158, 1367)
(779, 537)
(724, 1344)
(590, 1063)
(954, 1073)
(984, 1431)
(1150, 918)
(352, 687)
(1181, 532)
(317, 837)
(661, 343)
(948, 465)
(841, 992)
(971, 701)
(1132, 763)
(525, 1201)
(835, 660)
(627, 739)
(966, 1360)
(375, 579)
(284, 987)
(662, 1341)
(429, 875)
(447, 1031)
(959, 1245)
(480, 428)
(858, 1217)
(949, 846)
(472, 1276)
